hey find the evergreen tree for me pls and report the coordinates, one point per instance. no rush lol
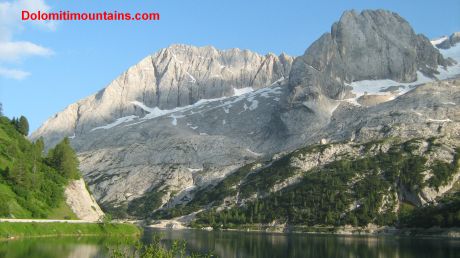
(23, 126)
(39, 145)
(15, 122)
(64, 159)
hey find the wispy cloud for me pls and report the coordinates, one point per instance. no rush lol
(14, 51)
(13, 73)
(10, 24)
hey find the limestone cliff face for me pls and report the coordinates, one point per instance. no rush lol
(176, 76)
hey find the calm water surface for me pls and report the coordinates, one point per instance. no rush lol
(244, 244)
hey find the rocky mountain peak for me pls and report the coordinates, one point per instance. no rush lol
(176, 76)
(370, 45)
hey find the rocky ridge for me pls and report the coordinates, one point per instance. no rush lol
(176, 76)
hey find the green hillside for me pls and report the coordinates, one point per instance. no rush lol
(370, 183)
(32, 185)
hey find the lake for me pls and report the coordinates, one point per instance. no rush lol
(243, 244)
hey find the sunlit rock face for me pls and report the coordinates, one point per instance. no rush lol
(176, 76)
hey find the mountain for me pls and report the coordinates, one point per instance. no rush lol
(408, 146)
(370, 45)
(173, 77)
(148, 151)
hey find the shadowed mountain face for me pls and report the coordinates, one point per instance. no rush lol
(370, 45)
(187, 117)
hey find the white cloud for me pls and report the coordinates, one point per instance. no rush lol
(13, 51)
(13, 73)
(11, 23)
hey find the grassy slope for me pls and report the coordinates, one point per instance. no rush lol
(32, 229)
(13, 148)
(63, 211)
(8, 197)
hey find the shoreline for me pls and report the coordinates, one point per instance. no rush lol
(406, 232)
(449, 233)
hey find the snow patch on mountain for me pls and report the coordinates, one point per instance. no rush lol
(192, 79)
(254, 105)
(119, 121)
(247, 94)
(394, 89)
(254, 153)
(279, 81)
(194, 170)
(385, 87)
(174, 119)
(435, 42)
(242, 91)
(451, 71)
(439, 120)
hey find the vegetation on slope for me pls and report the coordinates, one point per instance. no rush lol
(32, 185)
(445, 214)
(355, 191)
(212, 196)
(146, 204)
(21, 124)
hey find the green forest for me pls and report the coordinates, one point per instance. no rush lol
(350, 190)
(32, 183)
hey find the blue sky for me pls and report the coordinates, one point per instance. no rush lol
(46, 66)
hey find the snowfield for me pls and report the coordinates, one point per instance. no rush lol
(393, 89)
(247, 94)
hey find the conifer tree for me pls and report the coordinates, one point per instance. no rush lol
(64, 159)
(14, 122)
(23, 126)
